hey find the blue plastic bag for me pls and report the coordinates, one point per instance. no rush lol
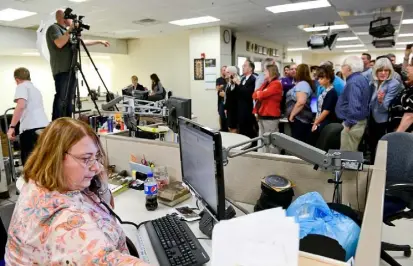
(314, 216)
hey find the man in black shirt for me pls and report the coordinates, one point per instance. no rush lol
(220, 86)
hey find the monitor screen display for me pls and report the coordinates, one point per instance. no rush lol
(198, 164)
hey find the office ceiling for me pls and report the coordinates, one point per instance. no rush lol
(120, 18)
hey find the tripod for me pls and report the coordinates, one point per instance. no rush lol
(74, 90)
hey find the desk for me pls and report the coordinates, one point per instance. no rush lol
(138, 213)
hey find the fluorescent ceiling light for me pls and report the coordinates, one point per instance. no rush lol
(297, 49)
(10, 14)
(343, 39)
(405, 35)
(323, 28)
(356, 51)
(77, 1)
(400, 48)
(298, 6)
(407, 21)
(194, 21)
(350, 46)
(31, 54)
(362, 33)
(403, 43)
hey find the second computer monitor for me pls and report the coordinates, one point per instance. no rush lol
(202, 165)
(178, 107)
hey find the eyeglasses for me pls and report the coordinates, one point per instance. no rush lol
(88, 162)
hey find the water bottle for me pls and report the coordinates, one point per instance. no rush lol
(110, 124)
(151, 191)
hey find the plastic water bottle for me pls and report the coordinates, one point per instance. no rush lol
(151, 191)
(110, 124)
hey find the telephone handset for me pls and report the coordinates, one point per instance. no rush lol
(95, 185)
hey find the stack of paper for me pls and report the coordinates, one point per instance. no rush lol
(258, 239)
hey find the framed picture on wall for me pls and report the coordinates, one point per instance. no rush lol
(248, 46)
(265, 50)
(199, 69)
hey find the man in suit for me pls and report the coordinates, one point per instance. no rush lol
(247, 125)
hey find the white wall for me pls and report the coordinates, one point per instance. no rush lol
(241, 47)
(108, 66)
(204, 102)
(167, 56)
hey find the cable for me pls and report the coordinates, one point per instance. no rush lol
(357, 190)
(120, 220)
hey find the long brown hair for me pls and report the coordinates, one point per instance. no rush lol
(45, 164)
(303, 74)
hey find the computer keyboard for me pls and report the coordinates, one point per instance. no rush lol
(174, 243)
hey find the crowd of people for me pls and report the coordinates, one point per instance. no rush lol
(368, 97)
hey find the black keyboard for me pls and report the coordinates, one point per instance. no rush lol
(174, 243)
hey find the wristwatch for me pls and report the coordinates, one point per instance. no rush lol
(12, 127)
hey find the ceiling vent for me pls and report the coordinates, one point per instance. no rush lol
(146, 22)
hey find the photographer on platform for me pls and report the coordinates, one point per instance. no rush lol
(61, 54)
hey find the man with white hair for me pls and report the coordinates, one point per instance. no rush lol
(353, 104)
(231, 98)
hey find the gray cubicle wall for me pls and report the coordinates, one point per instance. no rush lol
(243, 174)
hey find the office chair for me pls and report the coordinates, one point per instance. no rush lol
(398, 201)
(330, 137)
(169, 94)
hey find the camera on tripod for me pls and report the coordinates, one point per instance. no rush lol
(78, 24)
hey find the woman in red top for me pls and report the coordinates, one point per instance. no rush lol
(268, 104)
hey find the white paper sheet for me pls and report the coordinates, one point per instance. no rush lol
(258, 239)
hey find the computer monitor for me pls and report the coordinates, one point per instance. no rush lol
(178, 107)
(202, 165)
(140, 95)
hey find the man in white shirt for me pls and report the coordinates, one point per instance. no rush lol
(29, 111)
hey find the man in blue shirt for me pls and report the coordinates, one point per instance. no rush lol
(353, 104)
(338, 83)
(288, 82)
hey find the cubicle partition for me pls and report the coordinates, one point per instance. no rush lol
(243, 175)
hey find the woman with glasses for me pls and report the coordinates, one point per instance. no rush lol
(384, 89)
(58, 220)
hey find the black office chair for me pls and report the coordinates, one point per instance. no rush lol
(398, 201)
(330, 137)
(169, 94)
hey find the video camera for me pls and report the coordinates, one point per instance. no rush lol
(78, 23)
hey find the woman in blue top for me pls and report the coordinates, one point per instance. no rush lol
(384, 89)
(298, 104)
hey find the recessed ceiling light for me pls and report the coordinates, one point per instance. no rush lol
(323, 28)
(356, 51)
(404, 43)
(405, 35)
(343, 39)
(407, 21)
(298, 6)
(362, 33)
(350, 46)
(10, 14)
(194, 21)
(297, 49)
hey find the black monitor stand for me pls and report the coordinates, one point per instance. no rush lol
(207, 222)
